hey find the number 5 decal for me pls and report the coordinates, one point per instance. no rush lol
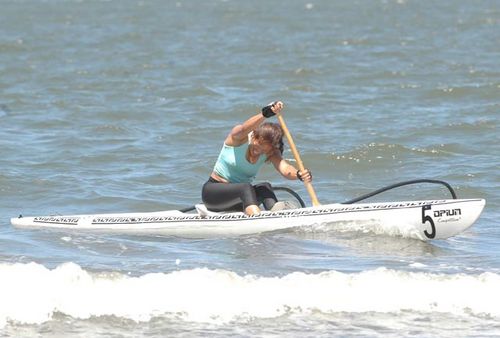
(429, 219)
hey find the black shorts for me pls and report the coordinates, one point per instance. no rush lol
(219, 196)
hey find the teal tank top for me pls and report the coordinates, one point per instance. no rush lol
(233, 165)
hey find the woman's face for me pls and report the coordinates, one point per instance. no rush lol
(260, 147)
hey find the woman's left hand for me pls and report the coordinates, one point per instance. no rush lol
(304, 175)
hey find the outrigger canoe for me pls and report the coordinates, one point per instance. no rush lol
(424, 220)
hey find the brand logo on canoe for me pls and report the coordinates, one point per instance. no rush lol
(440, 216)
(447, 212)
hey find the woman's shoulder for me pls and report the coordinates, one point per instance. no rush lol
(236, 137)
(275, 158)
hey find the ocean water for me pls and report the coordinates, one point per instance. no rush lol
(122, 106)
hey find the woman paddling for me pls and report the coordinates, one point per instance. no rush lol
(245, 150)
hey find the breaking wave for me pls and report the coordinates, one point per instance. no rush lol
(32, 294)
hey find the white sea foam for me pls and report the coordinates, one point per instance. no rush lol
(31, 293)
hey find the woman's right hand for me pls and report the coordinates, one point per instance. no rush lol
(272, 109)
(277, 106)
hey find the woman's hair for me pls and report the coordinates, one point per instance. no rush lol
(272, 134)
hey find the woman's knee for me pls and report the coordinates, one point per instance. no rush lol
(264, 185)
(248, 195)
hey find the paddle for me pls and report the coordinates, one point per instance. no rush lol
(296, 154)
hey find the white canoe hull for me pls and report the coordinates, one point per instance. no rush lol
(424, 220)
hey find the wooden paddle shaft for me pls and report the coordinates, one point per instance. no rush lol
(296, 154)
